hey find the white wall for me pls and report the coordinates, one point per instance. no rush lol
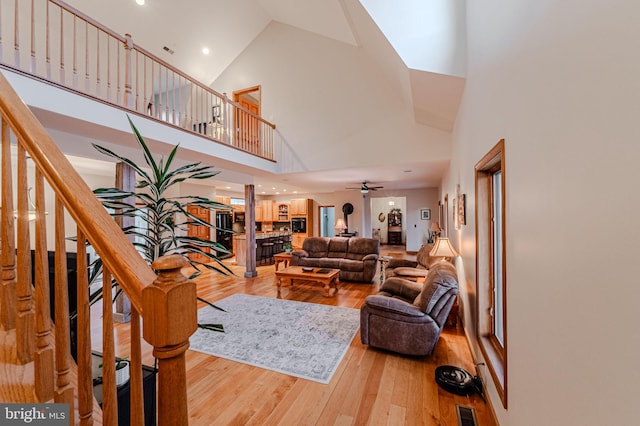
(418, 229)
(317, 89)
(559, 81)
(428, 35)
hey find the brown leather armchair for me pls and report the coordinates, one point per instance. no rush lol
(407, 317)
(411, 269)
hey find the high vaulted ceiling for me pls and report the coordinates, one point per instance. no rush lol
(227, 29)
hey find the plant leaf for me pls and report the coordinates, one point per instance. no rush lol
(148, 157)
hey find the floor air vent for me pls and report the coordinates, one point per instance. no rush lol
(466, 416)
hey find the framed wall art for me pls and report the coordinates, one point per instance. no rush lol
(454, 214)
(425, 214)
(462, 209)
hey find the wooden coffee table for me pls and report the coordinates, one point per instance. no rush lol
(328, 277)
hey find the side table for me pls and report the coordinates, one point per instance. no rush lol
(282, 257)
(383, 264)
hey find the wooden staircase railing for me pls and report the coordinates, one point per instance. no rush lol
(165, 299)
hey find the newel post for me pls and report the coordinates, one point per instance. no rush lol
(170, 318)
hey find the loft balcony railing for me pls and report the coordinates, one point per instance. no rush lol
(50, 40)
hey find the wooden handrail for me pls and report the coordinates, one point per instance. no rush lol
(130, 270)
(145, 84)
(166, 300)
(203, 86)
(86, 18)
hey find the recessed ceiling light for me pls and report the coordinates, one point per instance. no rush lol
(205, 50)
(140, 2)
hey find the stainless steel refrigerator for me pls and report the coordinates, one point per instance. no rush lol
(224, 223)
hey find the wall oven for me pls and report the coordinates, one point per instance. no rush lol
(299, 224)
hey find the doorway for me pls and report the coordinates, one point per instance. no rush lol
(327, 221)
(247, 123)
(389, 217)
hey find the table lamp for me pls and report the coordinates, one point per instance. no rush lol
(341, 226)
(443, 249)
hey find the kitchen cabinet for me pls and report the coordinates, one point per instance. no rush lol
(297, 239)
(223, 199)
(264, 210)
(203, 232)
(301, 206)
(281, 212)
(267, 210)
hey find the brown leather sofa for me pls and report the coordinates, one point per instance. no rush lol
(411, 269)
(356, 257)
(407, 317)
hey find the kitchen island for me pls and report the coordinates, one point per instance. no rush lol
(267, 244)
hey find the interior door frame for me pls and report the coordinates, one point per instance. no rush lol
(320, 219)
(237, 94)
(247, 128)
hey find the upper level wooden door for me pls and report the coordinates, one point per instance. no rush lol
(247, 125)
(199, 231)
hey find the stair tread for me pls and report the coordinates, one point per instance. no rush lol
(17, 381)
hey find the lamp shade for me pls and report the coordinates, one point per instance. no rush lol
(442, 248)
(340, 225)
(434, 227)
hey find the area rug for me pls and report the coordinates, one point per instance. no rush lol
(300, 339)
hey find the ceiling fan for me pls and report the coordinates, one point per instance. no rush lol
(366, 188)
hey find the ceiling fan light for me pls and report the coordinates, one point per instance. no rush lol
(364, 190)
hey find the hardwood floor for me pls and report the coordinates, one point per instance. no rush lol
(370, 387)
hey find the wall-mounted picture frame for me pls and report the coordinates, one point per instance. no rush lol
(455, 215)
(425, 214)
(215, 112)
(462, 209)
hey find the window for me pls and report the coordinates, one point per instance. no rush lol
(491, 265)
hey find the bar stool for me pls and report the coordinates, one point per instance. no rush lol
(258, 252)
(267, 249)
(279, 244)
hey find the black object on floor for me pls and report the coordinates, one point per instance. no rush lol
(458, 381)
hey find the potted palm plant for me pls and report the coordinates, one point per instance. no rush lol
(165, 218)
